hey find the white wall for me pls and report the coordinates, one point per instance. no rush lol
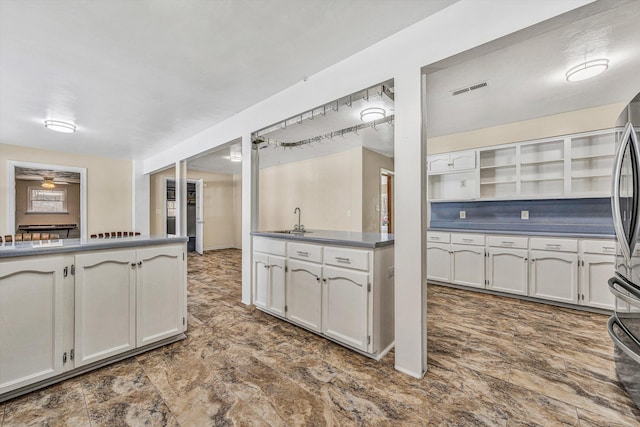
(464, 25)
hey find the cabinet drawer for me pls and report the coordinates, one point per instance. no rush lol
(468, 239)
(349, 258)
(507, 242)
(437, 236)
(561, 245)
(305, 252)
(599, 246)
(270, 246)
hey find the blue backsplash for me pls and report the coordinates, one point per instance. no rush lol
(580, 216)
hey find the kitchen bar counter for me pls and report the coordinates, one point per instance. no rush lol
(20, 249)
(330, 237)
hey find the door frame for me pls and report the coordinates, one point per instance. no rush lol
(11, 191)
(199, 193)
(390, 176)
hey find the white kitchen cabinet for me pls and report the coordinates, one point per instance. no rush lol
(160, 293)
(105, 304)
(269, 280)
(554, 276)
(508, 270)
(595, 273)
(31, 320)
(269, 265)
(467, 265)
(345, 306)
(455, 161)
(439, 261)
(304, 294)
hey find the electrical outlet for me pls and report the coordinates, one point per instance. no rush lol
(463, 214)
(524, 214)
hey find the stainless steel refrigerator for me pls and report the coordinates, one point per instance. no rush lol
(624, 325)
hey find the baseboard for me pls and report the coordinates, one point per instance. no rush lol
(217, 248)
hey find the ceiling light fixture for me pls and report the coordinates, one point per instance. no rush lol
(587, 70)
(59, 126)
(48, 183)
(372, 113)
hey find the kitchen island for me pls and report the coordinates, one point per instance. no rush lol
(71, 306)
(336, 284)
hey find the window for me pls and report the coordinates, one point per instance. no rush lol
(43, 200)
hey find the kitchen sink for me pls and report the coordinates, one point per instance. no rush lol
(292, 231)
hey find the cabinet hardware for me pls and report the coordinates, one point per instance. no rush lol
(435, 238)
(65, 272)
(368, 339)
(467, 240)
(301, 253)
(183, 256)
(139, 263)
(507, 243)
(345, 260)
(553, 245)
(368, 287)
(73, 269)
(183, 321)
(133, 264)
(286, 269)
(526, 259)
(286, 308)
(64, 357)
(449, 164)
(318, 279)
(72, 354)
(533, 260)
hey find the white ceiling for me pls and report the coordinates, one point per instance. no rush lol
(137, 77)
(526, 70)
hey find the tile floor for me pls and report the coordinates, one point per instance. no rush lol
(493, 361)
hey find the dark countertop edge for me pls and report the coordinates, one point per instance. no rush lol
(527, 233)
(22, 249)
(326, 240)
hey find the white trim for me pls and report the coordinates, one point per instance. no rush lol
(408, 372)
(219, 247)
(11, 192)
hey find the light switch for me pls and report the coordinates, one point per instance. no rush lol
(463, 214)
(524, 214)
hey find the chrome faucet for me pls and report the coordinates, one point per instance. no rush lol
(297, 226)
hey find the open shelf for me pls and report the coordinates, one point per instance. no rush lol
(498, 166)
(592, 156)
(542, 179)
(497, 182)
(540, 162)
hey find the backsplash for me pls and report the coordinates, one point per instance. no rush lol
(580, 216)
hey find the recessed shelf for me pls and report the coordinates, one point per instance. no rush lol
(498, 166)
(592, 156)
(542, 179)
(591, 175)
(538, 162)
(498, 182)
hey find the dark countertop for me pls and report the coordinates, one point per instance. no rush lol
(528, 233)
(20, 249)
(342, 238)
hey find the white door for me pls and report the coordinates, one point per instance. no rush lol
(345, 307)
(594, 288)
(439, 262)
(508, 270)
(159, 293)
(554, 276)
(199, 216)
(467, 265)
(276, 284)
(304, 295)
(462, 160)
(438, 163)
(105, 306)
(261, 279)
(31, 321)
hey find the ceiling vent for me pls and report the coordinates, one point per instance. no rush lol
(474, 86)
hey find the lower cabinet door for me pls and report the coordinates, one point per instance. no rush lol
(594, 288)
(105, 305)
(160, 294)
(304, 286)
(467, 265)
(438, 262)
(345, 307)
(31, 321)
(261, 279)
(276, 284)
(554, 276)
(508, 270)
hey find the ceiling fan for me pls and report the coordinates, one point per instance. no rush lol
(48, 182)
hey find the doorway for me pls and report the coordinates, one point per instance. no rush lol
(194, 212)
(386, 201)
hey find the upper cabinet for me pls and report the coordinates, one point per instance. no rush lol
(571, 166)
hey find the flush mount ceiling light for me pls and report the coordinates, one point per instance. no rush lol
(372, 113)
(48, 183)
(59, 126)
(587, 70)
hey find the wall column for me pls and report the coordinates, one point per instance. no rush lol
(410, 227)
(250, 184)
(140, 203)
(181, 198)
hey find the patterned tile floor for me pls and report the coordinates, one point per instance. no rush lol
(492, 361)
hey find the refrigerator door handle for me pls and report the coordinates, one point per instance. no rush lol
(613, 320)
(630, 288)
(627, 246)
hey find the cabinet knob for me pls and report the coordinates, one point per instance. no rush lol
(133, 264)
(139, 263)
